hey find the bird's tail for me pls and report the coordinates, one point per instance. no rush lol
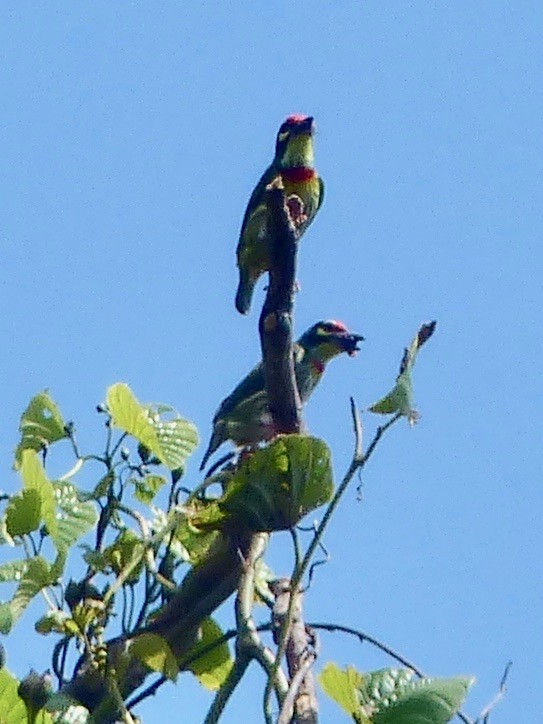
(245, 292)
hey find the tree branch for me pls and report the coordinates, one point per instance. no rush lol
(301, 701)
(275, 324)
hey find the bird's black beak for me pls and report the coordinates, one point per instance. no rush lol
(350, 343)
(307, 126)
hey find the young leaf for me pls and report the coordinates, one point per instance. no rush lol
(343, 687)
(34, 478)
(400, 398)
(428, 701)
(154, 651)
(23, 514)
(213, 667)
(41, 424)
(147, 488)
(172, 441)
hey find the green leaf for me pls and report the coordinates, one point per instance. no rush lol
(428, 701)
(34, 478)
(37, 576)
(147, 488)
(172, 441)
(12, 707)
(400, 398)
(276, 486)
(154, 651)
(41, 424)
(343, 687)
(12, 571)
(77, 515)
(126, 549)
(212, 667)
(6, 618)
(195, 543)
(23, 514)
(58, 622)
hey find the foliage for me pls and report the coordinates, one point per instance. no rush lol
(390, 696)
(146, 540)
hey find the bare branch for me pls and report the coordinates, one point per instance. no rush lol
(275, 324)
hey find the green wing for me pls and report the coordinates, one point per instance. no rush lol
(256, 198)
(250, 385)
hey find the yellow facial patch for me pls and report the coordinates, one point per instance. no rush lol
(299, 152)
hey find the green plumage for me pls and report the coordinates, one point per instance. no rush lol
(244, 416)
(294, 161)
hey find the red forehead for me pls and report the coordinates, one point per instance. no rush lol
(337, 326)
(296, 118)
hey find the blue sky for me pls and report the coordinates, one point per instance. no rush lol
(132, 135)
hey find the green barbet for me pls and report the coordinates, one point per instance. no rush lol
(294, 162)
(244, 416)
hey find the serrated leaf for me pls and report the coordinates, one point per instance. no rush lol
(276, 486)
(343, 687)
(41, 424)
(154, 651)
(34, 478)
(147, 489)
(12, 571)
(400, 398)
(77, 515)
(213, 667)
(428, 701)
(171, 441)
(23, 514)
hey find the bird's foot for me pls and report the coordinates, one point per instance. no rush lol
(296, 210)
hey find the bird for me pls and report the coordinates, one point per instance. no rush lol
(244, 416)
(304, 192)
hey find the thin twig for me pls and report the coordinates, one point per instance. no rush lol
(484, 716)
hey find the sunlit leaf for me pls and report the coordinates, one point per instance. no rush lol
(172, 441)
(76, 517)
(154, 651)
(276, 486)
(400, 398)
(343, 685)
(428, 701)
(212, 667)
(35, 478)
(41, 424)
(12, 707)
